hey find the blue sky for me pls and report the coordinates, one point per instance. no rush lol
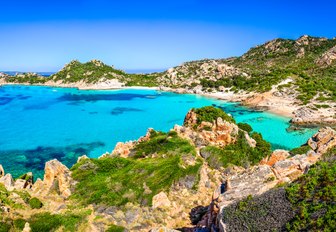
(44, 35)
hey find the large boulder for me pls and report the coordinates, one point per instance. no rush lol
(57, 179)
(25, 181)
(160, 200)
(8, 182)
(323, 140)
(277, 155)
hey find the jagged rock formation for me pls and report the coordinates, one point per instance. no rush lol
(323, 140)
(328, 57)
(218, 133)
(280, 167)
(124, 149)
(8, 181)
(57, 179)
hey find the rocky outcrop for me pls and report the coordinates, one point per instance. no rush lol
(191, 73)
(160, 200)
(328, 57)
(280, 167)
(83, 157)
(25, 181)
(57, 180)
(124, 149)
(304, 115)
(277, 155)
(26, 227)
(217, 133)
(8, 181)
(323, 140)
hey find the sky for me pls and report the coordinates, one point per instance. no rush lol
(149, 35)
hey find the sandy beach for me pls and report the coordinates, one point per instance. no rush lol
(282, 106)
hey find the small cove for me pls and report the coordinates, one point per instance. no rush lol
(41, 123)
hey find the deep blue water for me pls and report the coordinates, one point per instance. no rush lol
(41, 123)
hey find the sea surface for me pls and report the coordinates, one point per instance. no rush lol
(41, 123)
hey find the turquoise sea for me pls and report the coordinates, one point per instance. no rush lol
(41, 123)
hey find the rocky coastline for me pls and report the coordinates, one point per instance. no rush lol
(283, 106)
(182, 206)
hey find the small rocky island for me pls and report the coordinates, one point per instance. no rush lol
(209, 174)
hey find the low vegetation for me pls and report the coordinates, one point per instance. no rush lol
(308, 204)
(300, 150)
(210, 114)
(239, 153)
(313, 197)
(35, 203)
(267, 212)
(116, 181)
(167, 144)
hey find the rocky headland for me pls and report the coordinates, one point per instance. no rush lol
(200, 176)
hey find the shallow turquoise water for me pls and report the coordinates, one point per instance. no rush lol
(41, 123)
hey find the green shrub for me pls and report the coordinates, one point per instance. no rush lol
(239, 153)
(51, 222)
(300, 150)
(210, 113)
(4, 227)
(313, 197)
(19, 223)
(244, 126)
(164, 144)
(35, 203)
(114, 228)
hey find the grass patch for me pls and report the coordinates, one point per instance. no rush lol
(244, 126)
(52, 222)
(162, 143)
(116, 181)
(114, 228)
(239, 153)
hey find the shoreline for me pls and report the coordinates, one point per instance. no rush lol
(218, 95)
(266, 102)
